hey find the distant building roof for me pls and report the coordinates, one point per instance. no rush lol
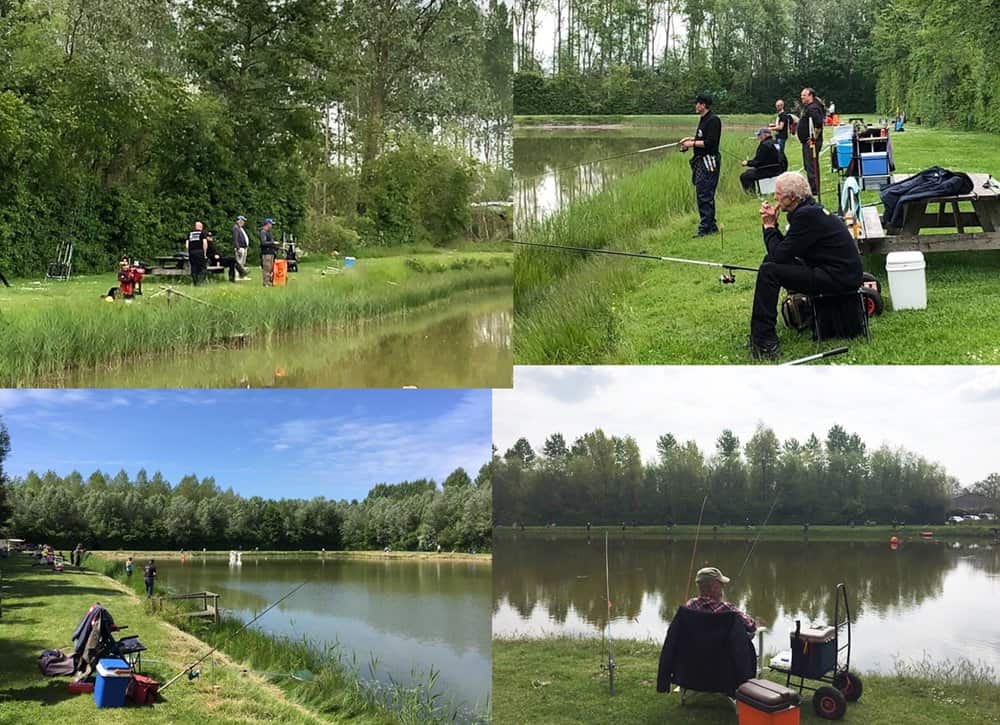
(971, 503)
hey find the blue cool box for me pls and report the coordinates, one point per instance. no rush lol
(109, 690)
(845, 150)
(875, 164)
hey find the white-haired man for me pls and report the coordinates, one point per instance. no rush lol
(817, 254)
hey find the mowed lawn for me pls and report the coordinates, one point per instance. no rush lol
(41, 608)
(606, 310)
(564, 681)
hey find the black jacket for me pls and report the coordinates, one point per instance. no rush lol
(709, 131)
(706, 652)
(767, 159)
(819, 239)
(818, 116)
(928, 184)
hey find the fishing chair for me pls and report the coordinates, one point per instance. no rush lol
(839, 315)
(706, 652)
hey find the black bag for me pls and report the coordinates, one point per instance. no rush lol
(54, 663)
(796, 311)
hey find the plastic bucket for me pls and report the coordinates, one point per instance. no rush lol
(113, 676)
(845, 150)
(907, 280)
(280, 276)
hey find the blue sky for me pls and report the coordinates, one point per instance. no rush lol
(291, 444)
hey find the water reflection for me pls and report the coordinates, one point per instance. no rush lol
(543, 184)
(920, 598)
(465, 343)
(411, 615)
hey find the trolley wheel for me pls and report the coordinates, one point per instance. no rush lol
(872, 301)
(849, 685)
(868, 279)
(829, 703)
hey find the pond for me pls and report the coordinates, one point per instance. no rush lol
(933, 598)
(550, 169)
(462, 343)
(411, 615)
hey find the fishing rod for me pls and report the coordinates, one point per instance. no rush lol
(201, 659)
(725, 279)
(694, 550)
(598, 161)
(611, 654)
(817, 356)
(759, 532)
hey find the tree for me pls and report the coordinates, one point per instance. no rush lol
(6, 509)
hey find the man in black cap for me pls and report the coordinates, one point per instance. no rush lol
(705, 162)
(268, 248)
(197, 249)
(241, 243)
(765, 164)
(810, 133)
(817, 254)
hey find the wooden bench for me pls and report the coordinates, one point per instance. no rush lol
(207, 609)
(985, 214)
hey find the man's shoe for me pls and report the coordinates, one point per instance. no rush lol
(764, 351)
(704, 233)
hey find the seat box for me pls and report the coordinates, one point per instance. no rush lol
(762, 702)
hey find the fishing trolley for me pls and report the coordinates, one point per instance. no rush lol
(823, 654)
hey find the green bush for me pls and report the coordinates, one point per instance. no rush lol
(327, 234)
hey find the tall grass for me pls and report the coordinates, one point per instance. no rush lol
(565, 301)
(42, 342)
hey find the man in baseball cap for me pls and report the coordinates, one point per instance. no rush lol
(709, 599)
(766, 164)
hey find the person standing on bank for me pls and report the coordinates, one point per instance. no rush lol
(705, 162)
(268, 248)
(782, 124)
(817, 254)
(810, 133)
(149, 576)
(241, 242)
(197, 249)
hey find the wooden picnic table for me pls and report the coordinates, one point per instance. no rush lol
(985, 214)
(176, 265)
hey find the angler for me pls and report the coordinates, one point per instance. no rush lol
(706, 162)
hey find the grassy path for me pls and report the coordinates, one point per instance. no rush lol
(556, 681)
(41, 608)
(605, 310)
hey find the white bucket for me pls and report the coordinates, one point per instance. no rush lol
(907, 280)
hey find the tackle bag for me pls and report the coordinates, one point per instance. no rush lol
(54, 663)
(796, 311)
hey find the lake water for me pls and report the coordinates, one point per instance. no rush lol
(412, 615)
(928, 597)
(542, 183)
(462, 343)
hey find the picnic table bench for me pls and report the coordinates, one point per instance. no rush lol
(177, 265)
(984, 198)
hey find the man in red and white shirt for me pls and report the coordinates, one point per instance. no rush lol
(709, 599)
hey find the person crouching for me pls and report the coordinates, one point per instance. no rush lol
(817, 254)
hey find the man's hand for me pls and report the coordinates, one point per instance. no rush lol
(768, 215)
(687, 143)
(743, 163)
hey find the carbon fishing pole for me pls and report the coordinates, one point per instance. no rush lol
(726, 279)
(817, 356)
(201, 659)
(759, 532)
(598, 161)
(611, 654)
(694, 550)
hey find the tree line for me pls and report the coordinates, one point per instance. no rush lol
(147, 512)
(940, 61)
(350, 123)
(654, 56)
(836, 480)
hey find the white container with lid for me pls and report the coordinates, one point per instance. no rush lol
(907, 280)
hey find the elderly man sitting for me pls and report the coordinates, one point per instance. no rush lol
(710, 582)
(817, 254)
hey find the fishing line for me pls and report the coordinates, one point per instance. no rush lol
(761, 531)
(694, 551)
(596, 161)
(201, 659)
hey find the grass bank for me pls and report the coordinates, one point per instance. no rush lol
(41, 608)
(563, 681)
(51, 327)
(605, 310)
(771, 532)
(122, 554)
